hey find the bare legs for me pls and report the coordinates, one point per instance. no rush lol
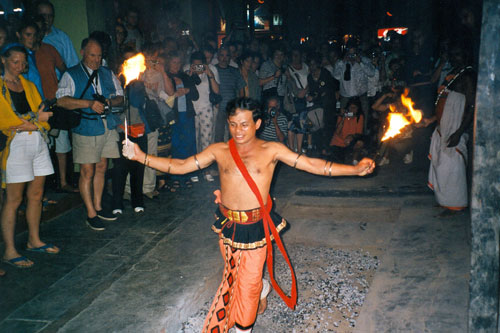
(14, 197)
(91, 185)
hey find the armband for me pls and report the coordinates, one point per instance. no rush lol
(197, 163)
(296, 160)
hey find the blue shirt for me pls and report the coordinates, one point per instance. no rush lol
(33, 74)
(60, 40)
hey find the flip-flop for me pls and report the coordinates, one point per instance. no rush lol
(14, 261)
(43, 249)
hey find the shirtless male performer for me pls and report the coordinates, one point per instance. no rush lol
(245, 229)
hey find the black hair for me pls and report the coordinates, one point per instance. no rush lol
(208, 48)
(257, 55)
(280, 47)
(16, 47)
(244, 56)
(355, 101)
(198, 55)
(87, 40)
(45, 3)
(244, 103)
(273, 98)
(152, 48)
(26, 24)
(296, 48)
(314, 56)
(128, 49)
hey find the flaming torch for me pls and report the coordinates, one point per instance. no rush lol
(133, 67)
(131, 70)
(398, 120)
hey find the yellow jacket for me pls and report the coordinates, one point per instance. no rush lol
(34, 101)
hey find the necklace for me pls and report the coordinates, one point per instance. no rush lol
(15, 81)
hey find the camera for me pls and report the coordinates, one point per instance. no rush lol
(50, 104)
(185, 32)
(349, 114)
(272, 112)
(199, 68)
(269, 115)
(102, 99)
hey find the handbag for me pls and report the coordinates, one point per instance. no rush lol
(152, 114)
(62, 118)
(213, 97)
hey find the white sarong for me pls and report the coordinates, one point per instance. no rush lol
(447, 173)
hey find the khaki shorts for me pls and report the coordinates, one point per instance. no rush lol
(90, 149)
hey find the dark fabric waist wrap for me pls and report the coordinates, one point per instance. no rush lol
(249, 235)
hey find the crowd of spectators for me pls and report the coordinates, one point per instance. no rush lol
(325, 98)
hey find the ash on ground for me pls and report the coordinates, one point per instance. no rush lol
(332, 285)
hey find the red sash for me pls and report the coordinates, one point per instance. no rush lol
(268, 225)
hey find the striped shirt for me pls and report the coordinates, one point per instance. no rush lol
(269, 131)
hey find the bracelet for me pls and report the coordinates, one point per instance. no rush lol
(145, 159)
(169, 165)
(296, 160)
(197, 163)
(330, 170)
(324, 169)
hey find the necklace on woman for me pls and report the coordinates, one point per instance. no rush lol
(15, 81)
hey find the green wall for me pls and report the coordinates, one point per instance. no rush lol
(71, 17)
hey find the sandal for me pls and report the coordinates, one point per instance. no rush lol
(17, 262)
(47, 248)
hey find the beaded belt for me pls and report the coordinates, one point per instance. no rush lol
(244, 216)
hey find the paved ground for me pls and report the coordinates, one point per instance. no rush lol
(157, 271)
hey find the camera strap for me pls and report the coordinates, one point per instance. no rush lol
(91, 79)
(297, 76)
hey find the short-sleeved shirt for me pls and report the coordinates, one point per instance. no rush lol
(346, 126)
(231, 82)
(58, 39)
(268, 69)
(47, 60)
(203, 88)
(269, 131)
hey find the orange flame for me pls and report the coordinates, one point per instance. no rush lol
(398, 120)
(133, 67)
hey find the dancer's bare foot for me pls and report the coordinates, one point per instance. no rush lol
(266, 289)
(262, 306)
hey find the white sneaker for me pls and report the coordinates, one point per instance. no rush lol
(209, 178)
(195, 179)
(408, 158)
(117, 211)
(139, 209)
